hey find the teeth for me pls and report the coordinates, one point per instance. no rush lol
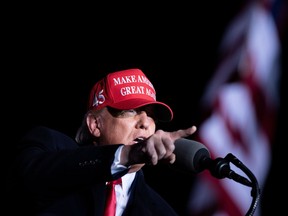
(139, 139)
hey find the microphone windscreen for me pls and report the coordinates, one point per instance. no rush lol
(190, 154)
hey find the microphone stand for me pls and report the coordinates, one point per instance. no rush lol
(220, 168)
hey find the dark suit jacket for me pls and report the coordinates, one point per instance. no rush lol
(52, 175)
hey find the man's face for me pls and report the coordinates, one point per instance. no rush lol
(126, 126)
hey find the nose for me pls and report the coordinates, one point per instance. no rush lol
(144, 121)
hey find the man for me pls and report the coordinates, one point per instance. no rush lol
(57, 175)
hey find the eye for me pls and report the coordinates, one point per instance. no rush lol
(128, 113)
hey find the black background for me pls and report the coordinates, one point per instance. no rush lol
(54, 54)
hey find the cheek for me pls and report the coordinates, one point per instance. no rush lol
(152, 129)
(120, 131)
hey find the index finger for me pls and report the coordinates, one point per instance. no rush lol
(182, 133)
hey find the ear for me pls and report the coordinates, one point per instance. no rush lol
(93, 124)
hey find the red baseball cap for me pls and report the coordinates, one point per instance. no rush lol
(127, 89)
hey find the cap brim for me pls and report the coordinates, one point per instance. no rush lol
(162, 111)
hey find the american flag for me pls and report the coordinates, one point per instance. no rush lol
(241, 101)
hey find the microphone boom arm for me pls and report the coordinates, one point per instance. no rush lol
(220, 168)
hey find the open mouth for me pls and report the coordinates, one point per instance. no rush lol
(139, 139)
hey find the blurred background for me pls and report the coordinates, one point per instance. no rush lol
(221, 66)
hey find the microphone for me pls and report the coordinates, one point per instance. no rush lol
(194, 157)
(191, 155)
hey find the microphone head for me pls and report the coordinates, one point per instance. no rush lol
(190, 155)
